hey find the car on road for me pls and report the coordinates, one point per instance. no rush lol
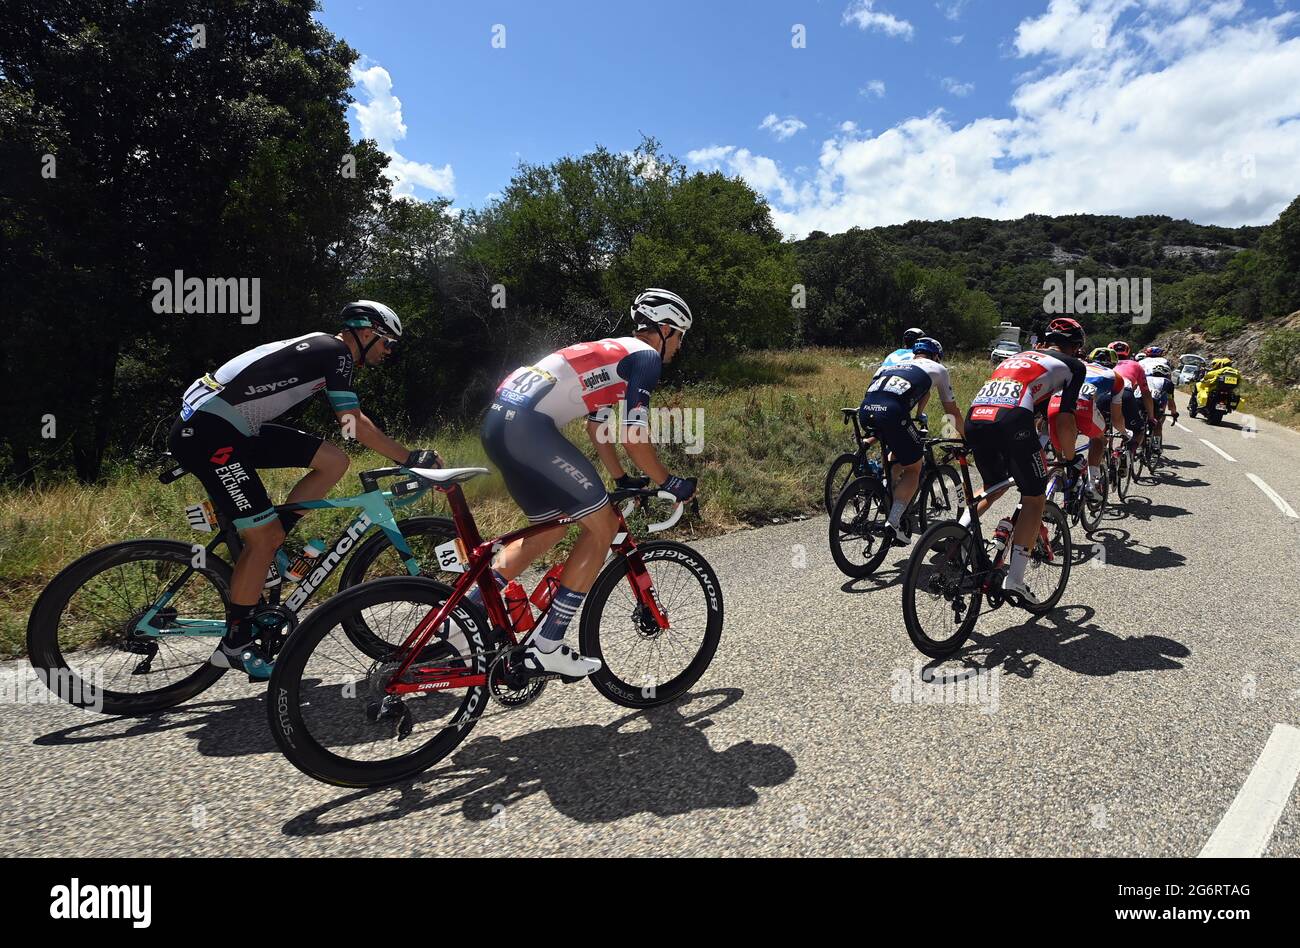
(1191, 367)
(1003, 350)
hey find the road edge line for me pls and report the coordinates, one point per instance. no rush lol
(1248, 825)
(1278, 500)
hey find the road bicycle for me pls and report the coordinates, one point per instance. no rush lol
(128, 628)
(1119, 463)
(859, 539)
(864, 461)
(348, 717)
(1153, 451)
(1069, 490)
(953, 570)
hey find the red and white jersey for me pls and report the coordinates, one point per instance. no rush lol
(586, 378)
(1029, 380)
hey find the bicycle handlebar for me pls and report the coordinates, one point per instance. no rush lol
(632, 495)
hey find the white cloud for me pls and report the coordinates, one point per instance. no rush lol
(1166, 117)
(952, 9)
(782, 128)
(957, 40)
(864, 14)
(380, 118)
(876, 87)
(959, 89)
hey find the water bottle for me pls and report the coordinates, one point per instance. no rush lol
(516, 597)
(303, 564)
(546, 589)
(1002, 535)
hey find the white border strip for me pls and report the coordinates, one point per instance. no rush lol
(1179, 424)
(1274, 496)
(1214, 447)
(1247, 827)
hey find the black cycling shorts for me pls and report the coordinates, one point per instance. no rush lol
(545, 473)
(1135, 413)
(1008, 446)
(225, 461)
(889, 420)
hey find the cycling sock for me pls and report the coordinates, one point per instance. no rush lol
(1094, 474)
(239, 624)
(564, 606)
(475, 595)
(896, 513)
(289, 519)
(1019, 560)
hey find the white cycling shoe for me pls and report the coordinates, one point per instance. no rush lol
(564, 661)
(1020, 589)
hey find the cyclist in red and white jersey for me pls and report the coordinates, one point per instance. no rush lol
(1136, 377)
(1001, 430)
(550, 478)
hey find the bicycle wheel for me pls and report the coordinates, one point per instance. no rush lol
(942, 589)
(82, 632)
(841, 471)
(941, 496)
(1048, 570)
(325, 710)
(645, 665)
(857, 529)
(377, 557)
(1090, 510)
(1123, 475)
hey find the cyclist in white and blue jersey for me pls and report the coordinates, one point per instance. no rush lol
(899, 356)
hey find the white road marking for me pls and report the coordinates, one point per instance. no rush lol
(1274, 496)
(1180, 425)
(1247, 827)
(1214, 447)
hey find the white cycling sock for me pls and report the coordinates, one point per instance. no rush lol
(1019, 560)
(896, 513)
(1094, 474)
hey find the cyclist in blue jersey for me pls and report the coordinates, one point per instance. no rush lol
(899, 356)
(224, 434)
(895, 393)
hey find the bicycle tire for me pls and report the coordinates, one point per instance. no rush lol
(939, 541)
(871, 493)
(644, 694)
(948, 504)
(285, 701)
(46, 653)
(1051, 512)
(842, 470)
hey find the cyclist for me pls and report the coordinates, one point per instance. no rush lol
(1153, 356)
(895, 392)
(1001, 430)
(899, 356)
(1095, 405)
(1161, 383)
(1139, 417)
(223, 435)
(550, 478)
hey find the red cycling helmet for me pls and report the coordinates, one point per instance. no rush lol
(1120, 349)
(1065, 330)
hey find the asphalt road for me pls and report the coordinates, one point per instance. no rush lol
(1126, 723)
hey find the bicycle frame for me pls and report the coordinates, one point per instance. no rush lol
(376, 509)
(478, 554)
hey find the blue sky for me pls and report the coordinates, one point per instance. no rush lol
(894, 109)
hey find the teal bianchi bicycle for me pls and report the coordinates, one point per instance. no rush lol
(128, 628)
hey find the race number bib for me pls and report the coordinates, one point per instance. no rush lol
(892, 384)
(524, 385)
(1000, 392)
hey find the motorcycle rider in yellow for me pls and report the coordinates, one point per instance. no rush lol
(1222, 372)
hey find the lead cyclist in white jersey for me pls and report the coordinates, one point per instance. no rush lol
(550, 478)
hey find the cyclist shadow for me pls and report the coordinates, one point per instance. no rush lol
(1114, 546)
(656, 761)
(1144, 509)
(881, 579)
(234, 727)
(1077, 645)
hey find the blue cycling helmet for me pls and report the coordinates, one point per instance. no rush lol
(925, 346)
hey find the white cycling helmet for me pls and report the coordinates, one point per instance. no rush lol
(656, 307)
(367, 314)
(1161, 369)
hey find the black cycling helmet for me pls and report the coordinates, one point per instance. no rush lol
(910, 337)
(1065, 330)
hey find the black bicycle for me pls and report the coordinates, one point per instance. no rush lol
(128, 628)
(865, 461)
(954, 571)
(859, 535)
(1069, 490)
(1119, 463)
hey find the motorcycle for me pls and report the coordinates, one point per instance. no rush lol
(1217, 399)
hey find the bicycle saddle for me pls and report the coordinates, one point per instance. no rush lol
(449, 475)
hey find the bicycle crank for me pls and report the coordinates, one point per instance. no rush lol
(509, 682)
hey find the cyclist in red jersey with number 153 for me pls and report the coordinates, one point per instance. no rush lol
(1001, 430)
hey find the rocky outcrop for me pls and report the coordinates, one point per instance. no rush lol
(1242, 348)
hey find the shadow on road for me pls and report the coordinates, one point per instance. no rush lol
(653, 761)
(227, 728)
(1144, 509)
(1070, 639)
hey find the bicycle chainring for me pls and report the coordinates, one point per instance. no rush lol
(509, 684)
